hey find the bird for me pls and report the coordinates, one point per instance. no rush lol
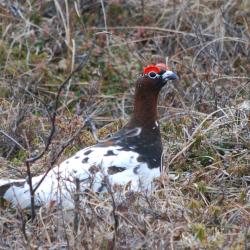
(132, 156)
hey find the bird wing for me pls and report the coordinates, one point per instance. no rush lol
(91, 166)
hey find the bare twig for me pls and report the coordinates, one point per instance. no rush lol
(105, 22)
(114, 209)
(77, 206)
(52, 131)
(12, 139)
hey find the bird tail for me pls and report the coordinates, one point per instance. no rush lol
(7, 186)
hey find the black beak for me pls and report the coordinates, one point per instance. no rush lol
(169, 75)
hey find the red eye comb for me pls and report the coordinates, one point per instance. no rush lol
(151, 68)
(155, 68)
(162, 66)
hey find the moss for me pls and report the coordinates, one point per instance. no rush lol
(243, 196)
(84, 74)
(4, 92)
(202, 187)
(214, 211)
(115, 12)
(35, 18)
(111, 83)
(18, 52)
(199, 230)
(110, 128)
(71, 150)
(197, 143)
(194, 204)
(19, 158)
(39, 44)
(3, 53)
(38, 58)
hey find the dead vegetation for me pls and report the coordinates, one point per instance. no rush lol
(204, 118)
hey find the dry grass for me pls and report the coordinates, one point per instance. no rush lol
(204, 117)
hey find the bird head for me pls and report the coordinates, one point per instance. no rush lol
(155, 76)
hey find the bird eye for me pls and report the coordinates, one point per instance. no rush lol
(152, 75)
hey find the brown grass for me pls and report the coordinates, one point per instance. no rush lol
(204, 117)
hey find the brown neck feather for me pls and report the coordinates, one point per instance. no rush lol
(145, 109)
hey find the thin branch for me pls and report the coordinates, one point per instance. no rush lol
(12, 139)
(52, 131)
(62, 147)
(77, 206)
(53, 116)
(105, 22)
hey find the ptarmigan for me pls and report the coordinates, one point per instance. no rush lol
(133, 155)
